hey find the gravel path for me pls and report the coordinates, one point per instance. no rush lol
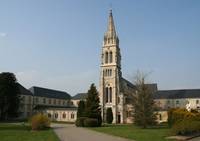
(68, 132)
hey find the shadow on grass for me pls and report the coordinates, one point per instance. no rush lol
(160, 126)
(11, 126)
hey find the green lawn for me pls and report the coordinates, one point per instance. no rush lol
(135, 133)
(19, 132)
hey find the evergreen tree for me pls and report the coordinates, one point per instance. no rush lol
(81, 109)
(144, 107)
(109, 115)
(93, 109)
(9, 96)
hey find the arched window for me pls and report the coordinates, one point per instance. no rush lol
(49, 115)
(106, 58)
(72, 116)
(111, 57)
(110, 72)
(110, 93)
(106, 95)
(56, 115)
(64, 115)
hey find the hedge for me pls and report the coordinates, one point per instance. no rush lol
(40, 122)
(184, 122)
(87, 122)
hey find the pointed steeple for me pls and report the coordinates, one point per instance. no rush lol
(111, 26)
(111, 32)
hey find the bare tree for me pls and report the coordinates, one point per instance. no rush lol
(144, 107)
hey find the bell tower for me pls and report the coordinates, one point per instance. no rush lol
(110, 74)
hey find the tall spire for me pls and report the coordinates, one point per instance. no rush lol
(111, 27)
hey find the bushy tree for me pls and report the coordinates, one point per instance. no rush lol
(93, 109)
(9, 96)
(81, 109)
(144, 107)
(109, 115)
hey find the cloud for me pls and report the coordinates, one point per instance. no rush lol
(3, 34)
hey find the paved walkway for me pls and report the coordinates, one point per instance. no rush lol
(195, 139)
(68, 132)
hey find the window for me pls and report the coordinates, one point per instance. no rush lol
(59, 102)
(49, 101)
(56, 115)
(102, 58)
(177, 102)
(49, 115)
(63, 102)
(36, 100)
(54, 102)
(110, 89)
(44, 100)
(111, 57)
(160, 116)
(197, 101)
(118, 99)
(106, 95)
(106, 58)
(64, 115)
(72, 116)
(29, 99)
(23, 98)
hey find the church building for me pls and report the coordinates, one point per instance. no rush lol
(114, 90)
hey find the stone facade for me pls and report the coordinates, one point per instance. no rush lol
(167, 99)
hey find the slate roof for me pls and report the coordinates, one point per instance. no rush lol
(79, 96)
(41, 107)
(152, 86)
(23, 90)
(129, 84)
(176, 94)
(44, 92)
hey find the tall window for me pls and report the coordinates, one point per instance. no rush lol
(106, 95)
(49, 115)
(110, 94)
(44, 100)
(56, 115)
(72, 116)
(49, 101)
(106, 58)
(64, 115)
(111, 57)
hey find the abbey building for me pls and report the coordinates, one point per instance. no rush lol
(114, 91)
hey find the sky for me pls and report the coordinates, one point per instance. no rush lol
(57, 43)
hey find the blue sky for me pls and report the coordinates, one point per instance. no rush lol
(57, 43)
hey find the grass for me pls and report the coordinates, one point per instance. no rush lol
(135, 133)
(19, 132)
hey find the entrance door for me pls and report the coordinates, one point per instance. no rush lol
(118, 118)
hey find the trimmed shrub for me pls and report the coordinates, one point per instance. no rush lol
(186, 127)
(184, 122)
(109, 115)
(40, 122)
(80, 122)
(91, 122)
